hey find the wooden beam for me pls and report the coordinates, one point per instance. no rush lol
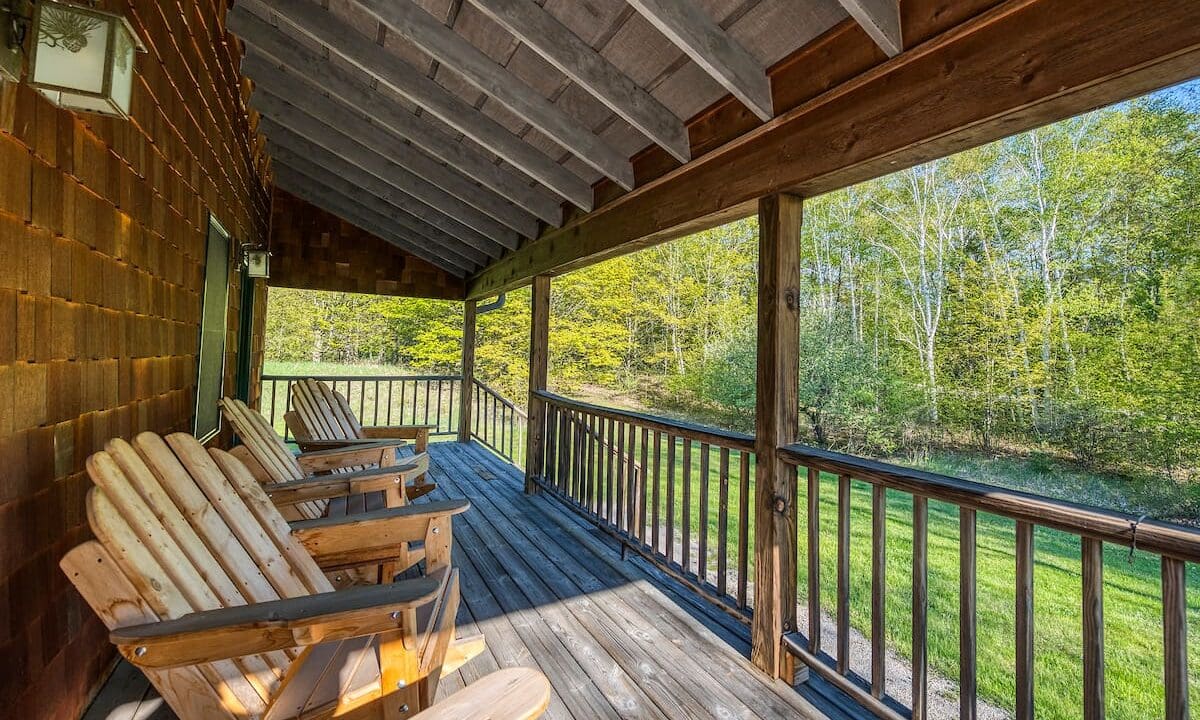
(308, 74)
(283, 141)
(374, 157)
(776, 419)
(317, 193)
(466, 397)
(1019, 65)
(325, 27)
(687, 25)
(563, 49)
(881, 20)
(412, 22)
(539, 340)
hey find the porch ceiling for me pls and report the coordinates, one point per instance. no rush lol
(474, 124)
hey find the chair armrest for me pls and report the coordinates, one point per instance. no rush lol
(406, 432)
(232, 632)
(355, 540)
(369, 452)
(512, 694)
(325, 487)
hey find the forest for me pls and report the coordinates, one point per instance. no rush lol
(1036, 297)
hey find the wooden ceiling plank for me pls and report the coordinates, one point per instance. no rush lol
(283, 136)
(435, 183)
(326, 186)
(307, 190)
(343, 39)
(452, 50)
(430, 224)
(687, 25)
(881, 20)
(431, 199)
(544, 34)
(308, 72)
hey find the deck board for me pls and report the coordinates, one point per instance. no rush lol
(616, 638)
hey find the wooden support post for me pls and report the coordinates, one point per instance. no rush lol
(466, 398)
(539, 339)
(779, 221)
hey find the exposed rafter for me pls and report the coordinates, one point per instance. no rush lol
(687, 25)
(311, 191)
(347, 42)
(420, 176)
(543, 33)
(881, 20)
(499, 220)
(283, 136)
(428, 198)
(301, 153)
(451, 49)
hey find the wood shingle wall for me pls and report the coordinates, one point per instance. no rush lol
(315, 250)
(102, 241)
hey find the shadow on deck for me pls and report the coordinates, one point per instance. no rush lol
(616, 638)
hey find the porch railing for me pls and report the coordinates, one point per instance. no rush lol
(499, 424)
(496, 421)
(377, 399)
(677, 493)
(1173, 544)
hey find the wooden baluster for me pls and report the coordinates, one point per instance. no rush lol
(878, 590)
(427, 389)
(723, 522)
(967, 595)
(655, 505)
(564, 450)
(618, 517)
(743, 527)
(1093, 628)
(702, 522)
(1175, 649)
(670, 498)
(843, 576)
(589, 476)
(609, 476)
(1024, 673)
(814, 560)
(686, 517)
(920, 608)
(551, 444)
(631, 484)
(644, 478)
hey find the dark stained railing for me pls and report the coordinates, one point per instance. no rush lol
(413, 400)
(376, 399)
(679, 494)
(499, 424)
(1174, 544)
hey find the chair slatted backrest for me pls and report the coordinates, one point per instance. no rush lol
(268, 450)
(180, 529)
(324, 411)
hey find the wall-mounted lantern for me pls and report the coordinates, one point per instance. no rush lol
(82, 58)
(258, 262)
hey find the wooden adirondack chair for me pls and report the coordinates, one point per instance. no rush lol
(207, 588)
(366, 475)
(321, 418)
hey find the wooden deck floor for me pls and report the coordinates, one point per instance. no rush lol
(616, 638)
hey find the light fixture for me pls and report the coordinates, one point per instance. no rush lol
(258, 262)
(82, 58)
(12, 39)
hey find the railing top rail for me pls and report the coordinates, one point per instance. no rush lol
(1111, 526)
(692, 431)
(367, 378)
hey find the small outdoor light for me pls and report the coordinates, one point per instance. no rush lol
(82, 58)
(258, 263)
